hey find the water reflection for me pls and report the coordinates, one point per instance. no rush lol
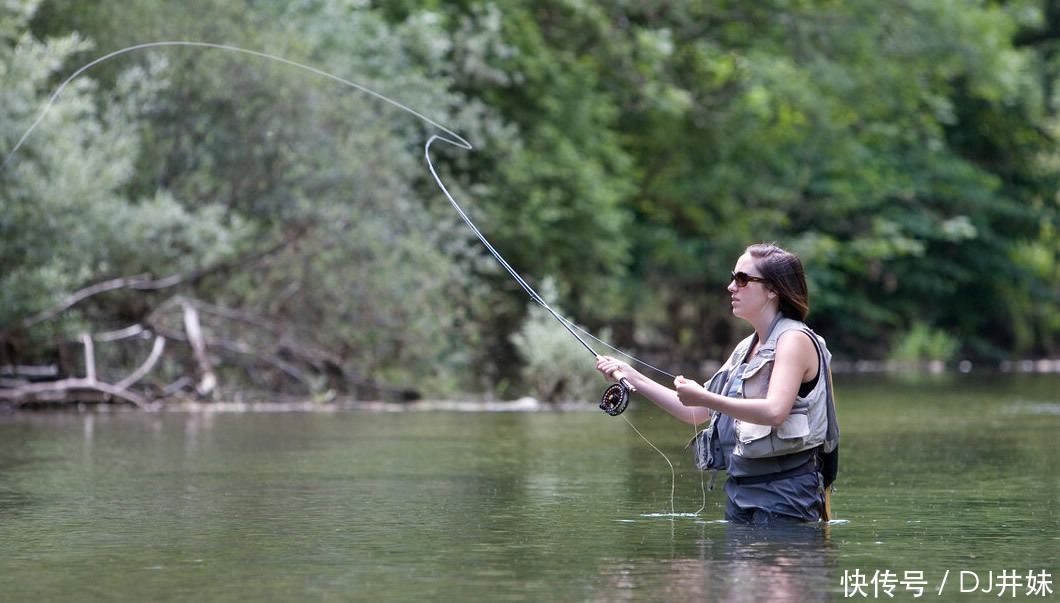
(731, 562)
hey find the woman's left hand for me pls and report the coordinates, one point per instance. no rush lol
(689, 392)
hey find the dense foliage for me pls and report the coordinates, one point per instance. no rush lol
(624, 151)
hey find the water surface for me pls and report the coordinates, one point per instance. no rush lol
(938, 475)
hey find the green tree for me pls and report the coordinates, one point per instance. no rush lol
(896, 147)
(67, 220)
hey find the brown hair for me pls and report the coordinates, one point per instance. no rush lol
(785, 277)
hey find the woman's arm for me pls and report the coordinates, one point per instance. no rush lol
(663, 397)
(794, 363)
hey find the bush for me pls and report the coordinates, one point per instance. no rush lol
(923, 344)
(557, 367)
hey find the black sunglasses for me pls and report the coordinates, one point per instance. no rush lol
(742, 278)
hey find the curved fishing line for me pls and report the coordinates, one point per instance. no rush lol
(496, 254)
(453, 139)
(571, 327)
(673, 474)
(456, 141)
(618, 351)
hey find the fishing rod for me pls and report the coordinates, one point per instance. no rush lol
(616, 397)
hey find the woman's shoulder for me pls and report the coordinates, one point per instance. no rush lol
(786, 326)
(802, 346)
(800, 340)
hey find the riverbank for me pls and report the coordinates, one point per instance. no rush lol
(1043, 365)
(332, 402)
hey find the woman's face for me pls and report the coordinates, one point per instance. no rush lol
(748, 301)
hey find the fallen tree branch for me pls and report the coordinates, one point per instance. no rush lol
(21, 390)
(65, 387)
(47, 371)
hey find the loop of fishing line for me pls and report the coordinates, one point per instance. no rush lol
(616, 404)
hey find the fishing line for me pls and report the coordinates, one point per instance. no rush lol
(459, 140)
(673, 474)
(616, 398)
(614, 401)
(453, 139)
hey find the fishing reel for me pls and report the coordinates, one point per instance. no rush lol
(616, 398)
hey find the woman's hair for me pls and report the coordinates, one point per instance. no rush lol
(783, 271)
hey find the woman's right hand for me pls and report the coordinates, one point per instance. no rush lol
(608, 366)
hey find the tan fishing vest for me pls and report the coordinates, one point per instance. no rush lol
(806, 426)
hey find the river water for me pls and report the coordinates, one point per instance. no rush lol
(946, 482)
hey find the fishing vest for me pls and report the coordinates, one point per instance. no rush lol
(811, 422)
(806, 426)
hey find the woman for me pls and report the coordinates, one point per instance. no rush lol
(770, 407)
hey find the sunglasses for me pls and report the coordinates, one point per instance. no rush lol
(742, 278)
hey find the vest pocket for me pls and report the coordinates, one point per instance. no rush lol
(796, 426)
(752, 439)
(755, 441)
(764, 360)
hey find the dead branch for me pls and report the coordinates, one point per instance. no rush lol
(176, 386)
(140, 281)
(207, 379)
(156, 353)
(127, 332)
(90, 357)
(240, 315)
(242, 349)
(322, 360)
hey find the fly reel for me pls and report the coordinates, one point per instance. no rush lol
(615, 399)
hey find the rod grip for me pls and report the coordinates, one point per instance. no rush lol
(622, 379)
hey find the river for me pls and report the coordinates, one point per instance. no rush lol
(947, 483)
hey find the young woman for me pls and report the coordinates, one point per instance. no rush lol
(769, 409)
